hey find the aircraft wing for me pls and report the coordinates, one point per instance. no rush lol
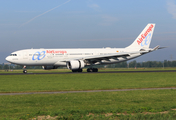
(97, 58)
(124, 54)
(110, 56)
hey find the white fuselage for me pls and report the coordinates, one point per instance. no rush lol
(58, 57)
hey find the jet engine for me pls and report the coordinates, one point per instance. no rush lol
(49, 67)
(75, 64)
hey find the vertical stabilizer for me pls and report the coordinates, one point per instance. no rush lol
(144, 38)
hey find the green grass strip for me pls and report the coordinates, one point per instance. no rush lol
(70, 82)
(23, 106)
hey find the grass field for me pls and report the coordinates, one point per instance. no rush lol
(82, 104)
(67, 82)
(88, 105)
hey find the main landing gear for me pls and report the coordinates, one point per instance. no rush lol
(88, 70)
(24, 70)
(78, 70)
(92, 70)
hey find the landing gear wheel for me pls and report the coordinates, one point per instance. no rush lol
(78, 70)
(92, 70)
(95, 70)
(73, 70)
(25, 71)
(89, 70)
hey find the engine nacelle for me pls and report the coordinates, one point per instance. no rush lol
(49, 67)
(75, 64)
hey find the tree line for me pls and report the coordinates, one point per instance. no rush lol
(12, 66)
(145, 64)
(132, 64)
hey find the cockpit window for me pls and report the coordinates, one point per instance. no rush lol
(13, 54)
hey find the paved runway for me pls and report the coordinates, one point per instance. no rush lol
(90, 72)
(87, 91)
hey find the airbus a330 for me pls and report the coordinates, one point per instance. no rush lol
(77, 59)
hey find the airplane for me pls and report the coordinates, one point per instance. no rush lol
(77, 59)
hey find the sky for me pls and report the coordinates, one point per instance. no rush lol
(26, 24)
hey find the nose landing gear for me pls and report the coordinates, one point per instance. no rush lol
(24, 70)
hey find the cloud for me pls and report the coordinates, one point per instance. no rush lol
(43, 13)
(94, 6)
(171, 8)
(108, 20)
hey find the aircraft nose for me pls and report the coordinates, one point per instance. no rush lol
(7, 59)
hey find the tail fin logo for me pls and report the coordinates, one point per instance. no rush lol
(147, 40)
(146, 37)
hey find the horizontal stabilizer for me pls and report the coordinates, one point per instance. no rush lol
(156, 48)
(162, 47)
